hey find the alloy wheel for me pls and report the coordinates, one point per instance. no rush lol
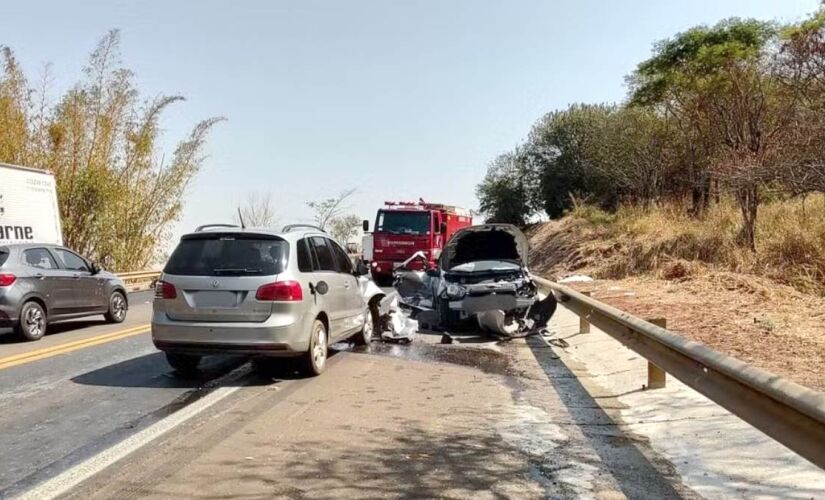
(319, 351)
(35, 321)
(118, 306)
(368, 327)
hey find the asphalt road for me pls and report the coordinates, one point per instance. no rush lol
(387, 420)
(58, 410)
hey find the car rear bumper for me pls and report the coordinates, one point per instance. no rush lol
(229, 337)
(8, 315)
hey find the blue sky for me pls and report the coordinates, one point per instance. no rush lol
(399, 99)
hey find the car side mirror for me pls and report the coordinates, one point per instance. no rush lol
(366, 225)
(361, 268)
(443, 228)
(433, 272)
(94, 268)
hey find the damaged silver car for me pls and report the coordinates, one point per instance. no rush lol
(481, 281)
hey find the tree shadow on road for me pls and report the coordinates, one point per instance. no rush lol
(410, 462)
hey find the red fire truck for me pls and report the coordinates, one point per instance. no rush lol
(410, 234)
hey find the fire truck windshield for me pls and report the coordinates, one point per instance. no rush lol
(397, 222)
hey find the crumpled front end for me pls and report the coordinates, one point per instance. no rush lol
(482, 282)
(502, 305)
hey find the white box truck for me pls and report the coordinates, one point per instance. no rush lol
(28, 206)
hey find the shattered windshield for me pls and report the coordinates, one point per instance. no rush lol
(403, 222)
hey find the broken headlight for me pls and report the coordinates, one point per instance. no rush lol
(455, 292)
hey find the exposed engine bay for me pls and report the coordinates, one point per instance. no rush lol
(482, 282)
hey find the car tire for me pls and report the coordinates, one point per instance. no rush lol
(315, 360)
(364, 337)
(117, 308)
(184, 364)
(33, 321)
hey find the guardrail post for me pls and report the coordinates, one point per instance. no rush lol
(656, 377)
(584, 325)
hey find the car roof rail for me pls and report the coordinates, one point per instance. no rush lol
(292, 227)
(210, 226)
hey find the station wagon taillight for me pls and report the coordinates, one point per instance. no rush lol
(165, 290)
(284, 291)
(7, 279)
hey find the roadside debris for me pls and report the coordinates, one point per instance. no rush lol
(576, 278)
(400, 327)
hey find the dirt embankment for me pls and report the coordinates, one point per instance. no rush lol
(757, 319)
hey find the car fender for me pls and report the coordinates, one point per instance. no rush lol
(369, 290)
(121, 289)
(33, 295)
(311, 313)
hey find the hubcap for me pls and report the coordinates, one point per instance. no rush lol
(319, 352)
(118, 306)
(34, 321)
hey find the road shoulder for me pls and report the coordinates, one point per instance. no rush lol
(714, 452)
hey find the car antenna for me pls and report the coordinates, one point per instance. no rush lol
(240, 218)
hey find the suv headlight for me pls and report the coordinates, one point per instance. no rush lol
(455, 291)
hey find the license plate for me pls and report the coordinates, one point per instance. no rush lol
(209, 298)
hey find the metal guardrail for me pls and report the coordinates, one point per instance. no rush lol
(139, 280)
(786, 411)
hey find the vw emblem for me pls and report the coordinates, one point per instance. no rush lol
(215, 283)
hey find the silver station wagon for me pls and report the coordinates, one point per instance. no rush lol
(256, 292)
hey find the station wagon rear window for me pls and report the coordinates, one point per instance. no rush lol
(228, 255)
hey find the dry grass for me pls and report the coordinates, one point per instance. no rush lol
(771, 326)
(664, 241)
(765, 308)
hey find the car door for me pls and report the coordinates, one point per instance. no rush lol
(51, 282)
(327, 276)
(87, 292)
(352, 292)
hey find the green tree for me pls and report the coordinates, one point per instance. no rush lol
(565, 147)
(504, 194)
(330, 209)
(331, 216)
(118, 194)
(14, 108)
(722, 83)
(802, 71)
(343, 228)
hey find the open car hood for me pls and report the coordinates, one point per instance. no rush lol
(488, 242)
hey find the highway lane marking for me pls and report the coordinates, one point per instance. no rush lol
(47, 352)
(62, 483)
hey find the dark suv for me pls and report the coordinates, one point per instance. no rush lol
(40, 284)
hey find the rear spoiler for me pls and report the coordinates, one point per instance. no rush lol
(210, 226)
(292, 227)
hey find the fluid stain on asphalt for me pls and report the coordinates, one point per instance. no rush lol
(485, 360)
